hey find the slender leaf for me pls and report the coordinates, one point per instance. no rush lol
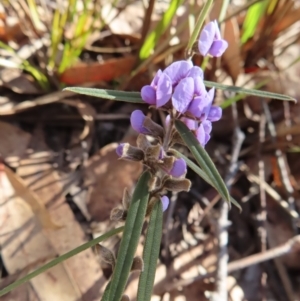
(106, 292)
(131, 234)
(254, 14)
(203, 159)
(133, 97)
(163, 24)
(199, 23)
(151, 253)
(202, 174)
(59, 259)
(263, 94)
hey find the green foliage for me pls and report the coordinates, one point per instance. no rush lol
(254, 15)
(60, 259)
(161, 27)
(131, 235)
(203, 159)
(151, 253)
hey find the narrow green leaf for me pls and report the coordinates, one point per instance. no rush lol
(198, 26)
(106, 292)
(163, 24)
(202, 174)
(134, 97)
(59, 259)
(131, 234)
(151, 253)
(203, 159)
(254, 15)
(263, 94)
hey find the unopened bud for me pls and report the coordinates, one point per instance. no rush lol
(177, 185)
(129, 152)
(153, 152)
(106, 255)
(137, 264)
(118, 214)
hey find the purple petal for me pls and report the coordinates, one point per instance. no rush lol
(179, 168)
(156, 78)
(207, 126)
(207, 138)
(210, 97)
(178, 70)
(200, 105)
(183, 94)
(119, 149)
(218, 48)
(148, 95)
(190, 123)
(165, 202)
(206, 38)
(215, 113)
(137, 120)
(195, 72)
(200, 134)
(164, 90)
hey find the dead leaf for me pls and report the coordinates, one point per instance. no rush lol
(14, 142)
(232, 56)
(31, 199)
(19, 82)
(96, 72)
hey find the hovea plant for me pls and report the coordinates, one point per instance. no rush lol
(179, 91)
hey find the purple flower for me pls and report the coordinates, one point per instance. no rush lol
(210, 41)
(120, 149)
(190, 123)
(137, 119)
(178, 169)
(214, 114)
(160, 90)
(183, 94)
(178, 70)
(203, 132)
(201, 105)
(165, 202)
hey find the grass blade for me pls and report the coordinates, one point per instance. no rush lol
(254, 92)
(134, 97)
(59, 259)
(201, 174)
(154, 36)
(151, 253)
(131, 234)
(203, 159)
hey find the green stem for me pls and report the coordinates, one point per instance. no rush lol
(198, 26)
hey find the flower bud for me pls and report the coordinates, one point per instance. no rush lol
(125, 298)
(177, 185)
(106, 255)
(145, 125)
(118, 214)
(165, 202)
(178, 168)
(128, 152)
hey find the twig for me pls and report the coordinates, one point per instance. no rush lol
(222, 272)
(292, 245)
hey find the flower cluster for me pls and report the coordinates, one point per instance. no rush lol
(180, 87)
(179, 90)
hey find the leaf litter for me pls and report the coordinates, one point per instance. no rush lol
(60, 177)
